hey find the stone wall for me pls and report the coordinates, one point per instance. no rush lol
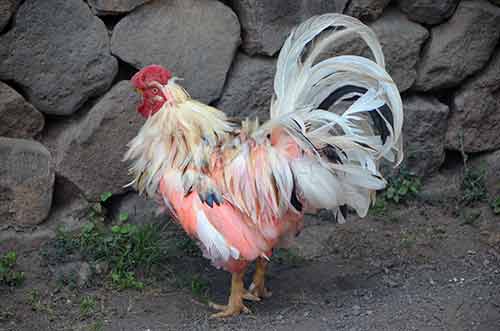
(67, 110)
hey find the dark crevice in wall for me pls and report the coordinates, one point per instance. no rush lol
(452, 160)
(111, 20)
(18, 88)
(125, 71)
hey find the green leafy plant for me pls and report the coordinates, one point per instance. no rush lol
(402, 186)
(125, 247)
(9, 276)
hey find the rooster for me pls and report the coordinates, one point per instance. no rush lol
(242, 190)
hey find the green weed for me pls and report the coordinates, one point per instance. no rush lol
(473, 185)
(402, 187)
(9, 276)
(88, 306)
(495, 205)
(288, 256)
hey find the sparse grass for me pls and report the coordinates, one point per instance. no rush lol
(96, 326)
(379, 209)
(8, 275)
(408, 240)
(198, 285)
(288, 256)
(88, 306)
(125, 248)
(495, 205)
(187, 245)
(37, 305)
(470, 216)
(473, 185)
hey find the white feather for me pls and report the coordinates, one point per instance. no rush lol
(215, 244)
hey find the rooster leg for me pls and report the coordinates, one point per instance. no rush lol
(258, 288)
(235, 305)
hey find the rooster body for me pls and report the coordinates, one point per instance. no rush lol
(243, 190)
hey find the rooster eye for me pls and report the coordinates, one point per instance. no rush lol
(155, 90)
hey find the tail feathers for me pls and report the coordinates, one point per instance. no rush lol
(307, 85)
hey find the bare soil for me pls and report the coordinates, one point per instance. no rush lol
(420, 267)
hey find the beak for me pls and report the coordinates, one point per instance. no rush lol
(139, 91)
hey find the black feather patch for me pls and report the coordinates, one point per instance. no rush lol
(378, 121)
(294, 200)
(331, 154)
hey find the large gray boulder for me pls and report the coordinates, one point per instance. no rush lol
(26, 182)
(114, 7)
(58, 53)
(366, 10)
(459, 47)
(266, 24)
(7, 9)
(196, 40)
(89, 151)
(139, 210)
(401, 41)
(249, 87)
(19, 119)
(428, 11)
(475, 112)
(424, 130)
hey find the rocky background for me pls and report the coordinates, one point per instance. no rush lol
(67, 109)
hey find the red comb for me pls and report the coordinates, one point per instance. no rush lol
(151, 73)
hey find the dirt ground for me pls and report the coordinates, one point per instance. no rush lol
(420, 267)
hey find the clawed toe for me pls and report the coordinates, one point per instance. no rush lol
(228, 310)
(259, 291)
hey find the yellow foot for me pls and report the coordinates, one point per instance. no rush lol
(259, 290)
(228, 310)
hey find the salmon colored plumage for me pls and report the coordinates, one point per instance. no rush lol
(240, 191)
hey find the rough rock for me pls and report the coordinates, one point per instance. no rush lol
(424, 131)
(26, 182)
(366, 10)
(7, 9)
(428, 11)
(441, 187)
(114, 7)
(249, 87)
(19, 118)
(475, 111)
(58, 68)
(72, 273)
(88, 151)
(401, 42)
(459, 47)
(266, 24)
(139, 210)
(196, 40)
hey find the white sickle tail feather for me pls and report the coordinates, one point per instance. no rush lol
(342, 152)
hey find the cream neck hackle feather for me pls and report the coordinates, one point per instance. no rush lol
(180, 135)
